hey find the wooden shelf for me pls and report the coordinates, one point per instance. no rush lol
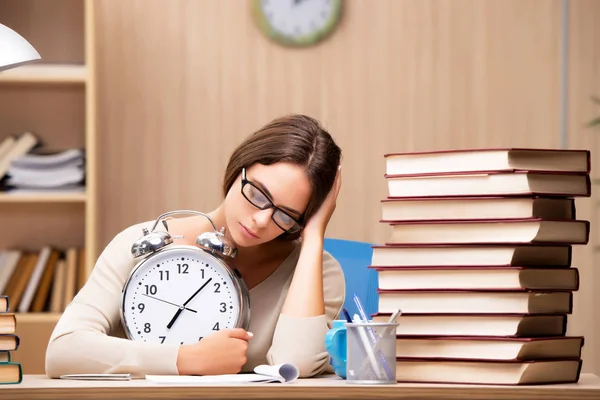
(57, 197)
(46, 73)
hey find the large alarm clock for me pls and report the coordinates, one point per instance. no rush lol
(182, 293)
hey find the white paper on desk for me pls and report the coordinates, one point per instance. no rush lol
(97, 377)
(282, 373)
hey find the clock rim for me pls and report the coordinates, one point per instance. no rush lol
(243, 320)
(303, 41)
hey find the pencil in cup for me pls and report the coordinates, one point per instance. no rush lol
(371, 362)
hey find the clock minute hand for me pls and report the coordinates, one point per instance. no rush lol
(170, 324)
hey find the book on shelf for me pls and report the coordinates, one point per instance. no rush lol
(479, 261)
(501, 159)
(42, 281)
(46, 169)
(27, 164)
(15, 147)
(477, 278)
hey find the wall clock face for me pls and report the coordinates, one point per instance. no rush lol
(297, 22)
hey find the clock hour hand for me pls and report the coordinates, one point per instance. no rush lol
(172, 321)
(168, 302)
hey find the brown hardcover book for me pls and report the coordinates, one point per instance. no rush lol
(476, 301)
(9, 342)
(478, 278)
(472, 255)
(8, 322)
(490, 348)
(19, 279)
(40, 299)
(501, 159)
(11, 372)
(508, 325)
(490, 183)
(488, 372)
(473, 208)
(502, 231)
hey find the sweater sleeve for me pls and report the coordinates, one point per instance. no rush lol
(301, 341)
(80, 342)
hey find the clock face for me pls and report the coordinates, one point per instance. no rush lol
(298, 22)
(180, 295)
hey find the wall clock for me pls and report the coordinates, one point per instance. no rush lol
(297, 22)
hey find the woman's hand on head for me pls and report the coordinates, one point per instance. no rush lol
(223, 352)
(317, 224)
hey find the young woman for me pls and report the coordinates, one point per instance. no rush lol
(280, 190)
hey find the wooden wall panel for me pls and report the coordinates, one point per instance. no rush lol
(584, 82)
(180, 86)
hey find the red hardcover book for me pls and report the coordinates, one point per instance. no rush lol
(487, 159)
(477, 278)
(502, 231)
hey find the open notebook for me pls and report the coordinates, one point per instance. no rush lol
(280, 373)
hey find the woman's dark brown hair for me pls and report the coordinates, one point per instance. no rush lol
(297, 139)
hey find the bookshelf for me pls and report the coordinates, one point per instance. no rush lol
(54, 99)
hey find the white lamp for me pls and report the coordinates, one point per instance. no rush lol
(14, 49)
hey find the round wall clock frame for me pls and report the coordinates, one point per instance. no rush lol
(297, 23)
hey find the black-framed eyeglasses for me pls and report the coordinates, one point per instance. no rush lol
(260, 200)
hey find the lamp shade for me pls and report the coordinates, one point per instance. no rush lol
(14, 49)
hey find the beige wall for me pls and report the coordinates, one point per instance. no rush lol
(182, 82)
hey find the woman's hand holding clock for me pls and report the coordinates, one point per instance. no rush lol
(223, 352)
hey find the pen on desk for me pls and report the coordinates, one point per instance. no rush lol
(371, 334)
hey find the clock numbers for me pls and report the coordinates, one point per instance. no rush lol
(151, 289)
(164, 275)
(182, 268)
(180, 299)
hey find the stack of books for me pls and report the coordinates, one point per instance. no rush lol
(10, 371)
(26, 165)
(479, 261)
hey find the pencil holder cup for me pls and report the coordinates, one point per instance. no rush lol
(363, 352)
(371, 352)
